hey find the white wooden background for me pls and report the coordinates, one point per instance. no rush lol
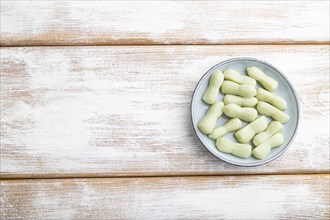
(95, 119)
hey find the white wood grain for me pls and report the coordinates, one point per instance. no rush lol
(113, 111)
(245, 197)
(149, 22)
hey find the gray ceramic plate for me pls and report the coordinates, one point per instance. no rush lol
(285, 90)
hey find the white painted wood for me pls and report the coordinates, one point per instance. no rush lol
(151, 22)
(113, 111)
(239, 197)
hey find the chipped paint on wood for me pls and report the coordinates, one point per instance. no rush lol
(116, 111)
(114, 22)
(239, 197)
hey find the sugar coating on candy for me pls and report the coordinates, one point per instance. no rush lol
(212, 91)
(229, 87)
(236, 77)
(243, 113)
(208, 122)
(246, 134)
(227, 146)
(231, 125)
(266, 81)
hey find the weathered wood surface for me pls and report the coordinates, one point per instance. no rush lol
(214, 22)
(239, 197)
(125, 111)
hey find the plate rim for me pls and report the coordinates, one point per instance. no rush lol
(261, 162)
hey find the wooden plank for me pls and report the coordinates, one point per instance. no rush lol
(230, 197)
(215, 22)
(118, 111)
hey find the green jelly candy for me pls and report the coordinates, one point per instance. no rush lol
(229, 87)
(246, 134)
(243, 102)
(212, 91)
(232, 125)
(273, 128)
(262, 151)
(207, 123)
(243, 113)
(227, 146)
(269, 110)
(271, 98)
(266, 81)
(234, 76)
